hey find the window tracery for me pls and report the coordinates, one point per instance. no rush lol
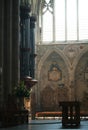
(64, 20)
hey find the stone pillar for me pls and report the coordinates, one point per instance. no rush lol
(1, 48)
(32, 40)
(7, 50)
(25, 40)
(9, 44)
(15, 41)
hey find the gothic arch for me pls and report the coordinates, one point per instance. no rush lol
(48, 52)
(79, 80)
(78, 58)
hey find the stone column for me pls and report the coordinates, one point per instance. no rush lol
(1, 49)
(32, 42)
(7, 50)
(25, 40)
(9, 44)
(15, 41)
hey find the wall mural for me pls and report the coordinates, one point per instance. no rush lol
(53, 82)
(81, 81)
(63, 74)
(54, 73)
(51, 97)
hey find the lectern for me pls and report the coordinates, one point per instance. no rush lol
(70, 113)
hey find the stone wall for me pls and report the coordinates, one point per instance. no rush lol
(60, 70)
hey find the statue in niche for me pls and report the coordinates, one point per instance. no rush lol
(54, 74)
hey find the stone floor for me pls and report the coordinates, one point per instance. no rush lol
(46, 124)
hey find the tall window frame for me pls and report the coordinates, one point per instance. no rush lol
(63, 21)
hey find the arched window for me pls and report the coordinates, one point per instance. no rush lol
(64, 20)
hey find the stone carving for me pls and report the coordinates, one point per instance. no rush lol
(71, 52)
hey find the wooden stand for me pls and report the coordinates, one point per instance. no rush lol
(70, 114)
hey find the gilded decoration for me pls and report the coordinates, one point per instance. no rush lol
(54, 73)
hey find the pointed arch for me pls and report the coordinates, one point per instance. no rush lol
(48, 52)
(77, 61)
